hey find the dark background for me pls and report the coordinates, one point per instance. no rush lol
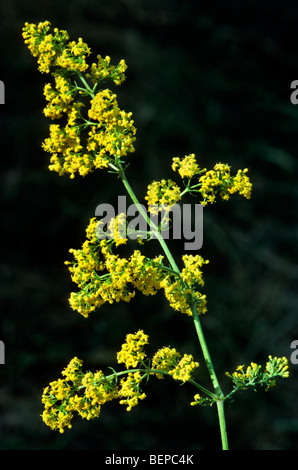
(210, 78)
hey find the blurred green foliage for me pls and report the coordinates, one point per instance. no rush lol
(206, 78)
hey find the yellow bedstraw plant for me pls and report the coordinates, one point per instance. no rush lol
(91, 132)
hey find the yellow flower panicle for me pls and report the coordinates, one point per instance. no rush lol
(111, 130)
(111, 136)
(103, 70)
(114, 134)
(117, 229)
(219, 181)
(187, 167)
(182, 293)
(178, 295)
(162, 195)
(253, 375)
(130, 391)
(73, 371)
(184, 369)
(132, 351)
(103, 276)
(79, 393)
(84, 393)
(165, 359)
(243, 378)
(59, 97)
(147, 275)
(212, 183)
(276, 367)
(54, 49)
(169, 360)
(192, 273)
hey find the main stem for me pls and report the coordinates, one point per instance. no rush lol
(153, 227)
(213, 376)
(201, 337)
(222, 424)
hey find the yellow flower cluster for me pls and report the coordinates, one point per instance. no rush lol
(182, 292)
(104, 70)
(252, 376)
(110, 139)
(161, 195)
(73, 56)
(117, 230)
(168, 360)
(77, 392)
(103, 276)
(132, 351)
(111, 130)
(184, 369)
(181, 297)
(187, 167)
(220, 182)
(212, 183)
(192, 273)
(65, 146)
(130, 390)
(242, 378)
(147, 274)
(165, 359)
(73, 371)
(276, 367)
(115, 131)
(55, 50)
(85, 393)
(59, 97)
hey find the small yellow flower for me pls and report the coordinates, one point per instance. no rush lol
(197, 399)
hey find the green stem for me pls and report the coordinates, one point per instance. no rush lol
(147, 370)
(219, 394)
(222, 424)
(206, 353)
(203, 389)
(149, 221)
(90, 91)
